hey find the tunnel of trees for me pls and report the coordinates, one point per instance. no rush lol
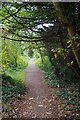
(50, 31)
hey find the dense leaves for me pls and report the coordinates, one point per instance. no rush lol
(12, 82)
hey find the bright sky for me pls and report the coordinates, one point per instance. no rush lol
(45, 24)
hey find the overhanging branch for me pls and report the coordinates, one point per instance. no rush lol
(22, 40)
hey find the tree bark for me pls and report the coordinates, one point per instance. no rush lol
(70, 29)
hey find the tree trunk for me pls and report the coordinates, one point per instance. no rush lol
(74, 50)
(71, 33)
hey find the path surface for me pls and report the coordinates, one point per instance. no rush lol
(37, 101)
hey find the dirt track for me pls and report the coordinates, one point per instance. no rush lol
(37, 102)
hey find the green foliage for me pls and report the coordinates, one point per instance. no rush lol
(5, 59)
(75, 38)
(65, 65)
(49, 73)
(10, 52)
(17, 75)
(37, 56)
(57, 44)
(30, 53)
(22, 62)
(46, 63)
(56, 83)
(11, 55)
(69, 95)
(52, 79)
(12, 84)
(12, 80)
(12, 91)
(72, 97)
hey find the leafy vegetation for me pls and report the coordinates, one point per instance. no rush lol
(69, 93)
(12, 83)
(71, 96)
(48, 31)
(13, 65)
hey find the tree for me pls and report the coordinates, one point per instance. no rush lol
(26, 22)
(69, 21)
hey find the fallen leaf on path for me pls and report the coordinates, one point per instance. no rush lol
(40, 105)
(50, 108)
(31, 98)
(30, 107)
(15, 116)
(50, 104)
(50, 100)
(48, 113)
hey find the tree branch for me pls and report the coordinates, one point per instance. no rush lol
(21, 40)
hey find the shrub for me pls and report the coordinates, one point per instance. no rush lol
(72, 97)
(12, 84)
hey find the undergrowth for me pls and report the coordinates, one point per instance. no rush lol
(71, 98)
(13, 80)
(12, 84)
(68, 91)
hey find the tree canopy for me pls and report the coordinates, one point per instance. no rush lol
(51, 27)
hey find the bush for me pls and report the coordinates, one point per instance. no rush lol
(12, 84)
(12, 91)
(22, 62)
(45, 65)
(49, 72)
(72, 97)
